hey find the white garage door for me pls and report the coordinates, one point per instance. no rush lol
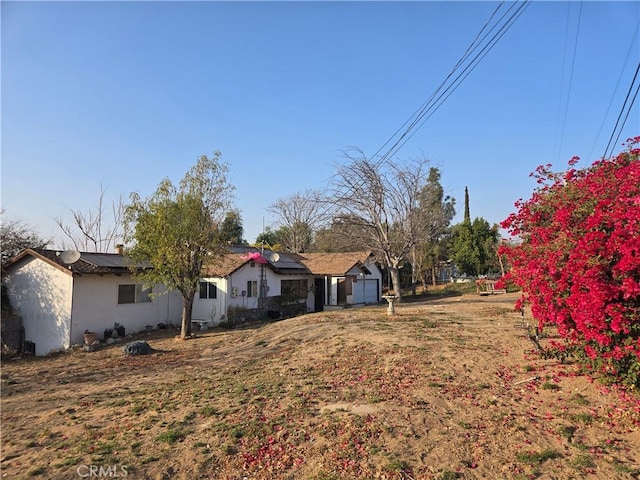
(371, 291)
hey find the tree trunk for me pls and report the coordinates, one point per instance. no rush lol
(500, 260)
(185, 332)
(423, 279)
(414, 271)
(395, 280)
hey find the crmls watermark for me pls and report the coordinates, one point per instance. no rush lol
(102, 471)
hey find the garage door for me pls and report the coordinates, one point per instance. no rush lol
(371, 291)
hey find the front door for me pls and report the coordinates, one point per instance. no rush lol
(318, 288)
(342, 291)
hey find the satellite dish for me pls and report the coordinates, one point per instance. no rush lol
(70, 256)
(274, 257)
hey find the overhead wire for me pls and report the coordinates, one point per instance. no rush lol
(437, 98)
(460, 61)
(611, 143)
(465, 73)
(556, 150)
(573, 62)
(626, 117)
(632, 47)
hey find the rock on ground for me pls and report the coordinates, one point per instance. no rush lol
(138, 348)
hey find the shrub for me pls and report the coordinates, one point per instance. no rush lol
(578, 262)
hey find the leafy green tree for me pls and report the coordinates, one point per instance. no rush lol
(231, 230)
(175, 230)
(436, 211)
(15, 236)
(269, 239)
(474, 246)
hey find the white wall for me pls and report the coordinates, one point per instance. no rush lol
(211, 309)
(238, 280)
(95, 306)
(273, 280)
(41, 295)
(367, 289)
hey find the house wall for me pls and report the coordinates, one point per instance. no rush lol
(238, 284)
(373, 290)
(95, 306)
(275, 286)
(230, 292)
(41, 294)
(365, 289)
(211, 309)
(238, 280)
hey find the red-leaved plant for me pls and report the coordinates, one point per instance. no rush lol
(578, 259)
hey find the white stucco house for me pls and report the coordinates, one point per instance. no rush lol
(246, 279)
(59, 301)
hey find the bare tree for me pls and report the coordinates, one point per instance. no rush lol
(299, 217)
(382, 200)
(96, 230)
(15, 236)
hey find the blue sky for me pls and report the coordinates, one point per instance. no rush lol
(124, 94)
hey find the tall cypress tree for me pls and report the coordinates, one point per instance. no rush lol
(467, 216)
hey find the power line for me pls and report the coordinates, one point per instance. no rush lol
(635, 95)
(437, 98)
(463, 75)
(622, 112)
(464, 57)
(615, 90)
(573, 62)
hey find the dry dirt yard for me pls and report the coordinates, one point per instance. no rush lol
(444, 389)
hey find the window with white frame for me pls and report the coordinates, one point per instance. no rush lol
(208, 290)
(133, 293)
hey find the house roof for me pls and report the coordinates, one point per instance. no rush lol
(225, 265)
(291, 263)
(97, 263)
(334, 263)
(284, 263)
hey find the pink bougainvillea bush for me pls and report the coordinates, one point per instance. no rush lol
(578, 260)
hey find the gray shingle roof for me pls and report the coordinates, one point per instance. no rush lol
(98, 263)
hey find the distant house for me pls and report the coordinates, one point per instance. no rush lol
(341, 279)
(59, 301)
(250, 283)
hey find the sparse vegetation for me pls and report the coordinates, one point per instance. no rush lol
(537, 457)
(325, 396)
